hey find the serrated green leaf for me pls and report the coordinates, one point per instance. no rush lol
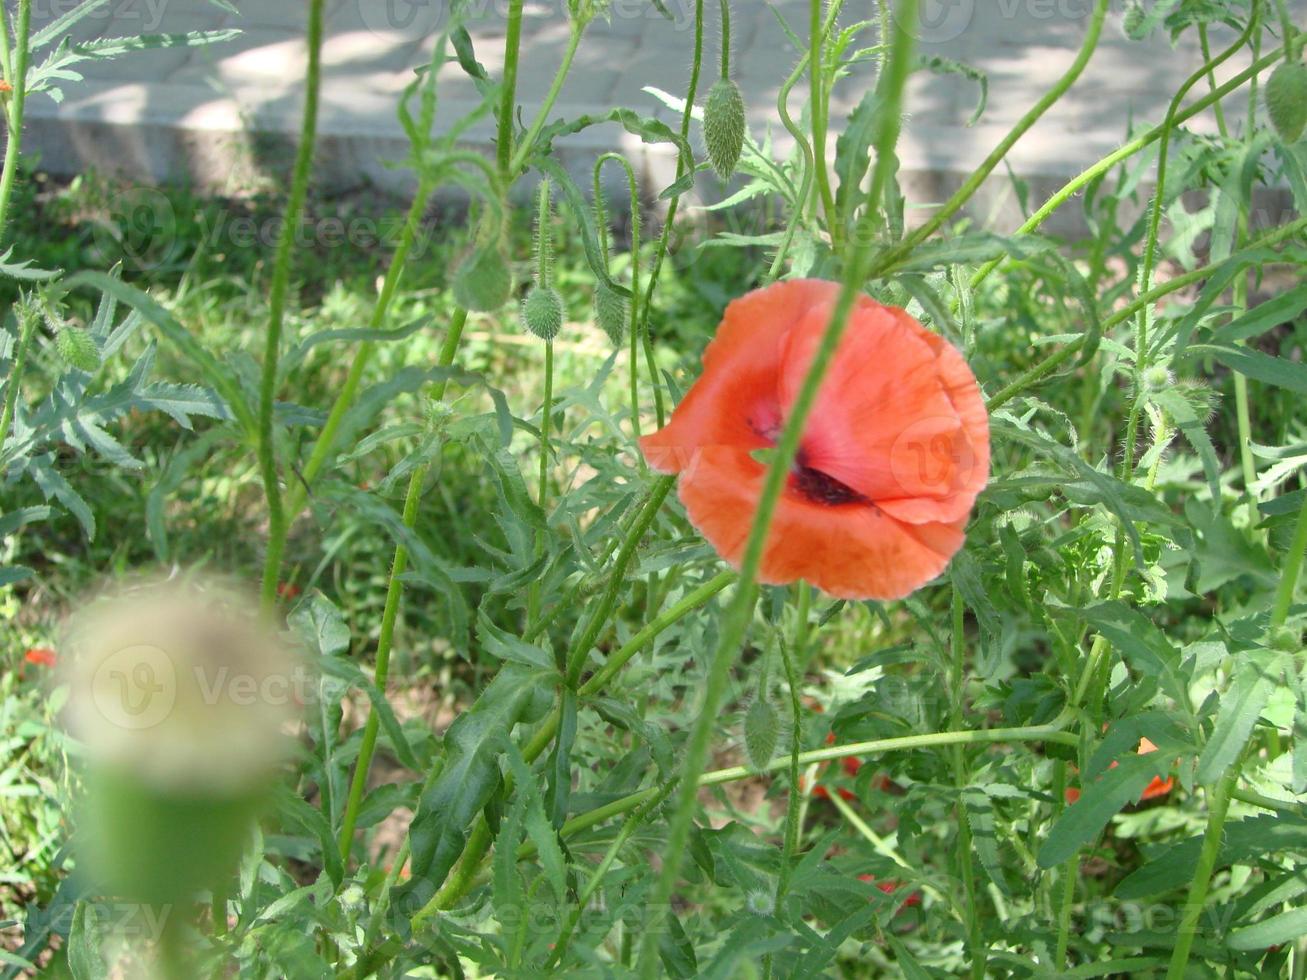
(1240, 708)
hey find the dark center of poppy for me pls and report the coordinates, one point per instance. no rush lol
(822, 488)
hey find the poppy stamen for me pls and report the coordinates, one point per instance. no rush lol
(822, 488)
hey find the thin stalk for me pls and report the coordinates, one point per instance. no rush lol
(1242, 413)
(741, 609)
(1091, 173)
(1218, 807)
(390, 612)
(508, 94)
(973, 182)
(528, 141)
(576, 657)
(299, 188)
(542, 491)
(793, 795)
(1292, 568)
(664, 237)
(688, 603)
(961, 778)
(1217, 109)
(726, 38)
(28, 319)
(1286, 29)
(14, 107)
(817, 116)
(633, 313)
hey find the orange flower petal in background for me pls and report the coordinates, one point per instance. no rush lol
(41, 656)
(1156, 787)
(891, 460)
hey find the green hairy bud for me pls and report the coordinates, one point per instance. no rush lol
(483, 281)
(1286, 99)
(762, 730)
(610, 312)
(542, 311)
(723, 126)
(77, 349)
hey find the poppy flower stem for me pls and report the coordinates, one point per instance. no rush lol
(817, 117)
(16, 76)
(859, 270)
(299, 188)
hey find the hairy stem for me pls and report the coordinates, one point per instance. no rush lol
(299, 188)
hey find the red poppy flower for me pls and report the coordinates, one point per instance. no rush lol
(889, 887)
(41, 656)
(1156, 787)
(287, 590)
(892, 458)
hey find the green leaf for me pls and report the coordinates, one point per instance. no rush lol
(318, 620)
(1265, 316)
(504, 645)
(350, 672)
(1278, 371)
(1100, 800)
(676, 951)
(1282, 928)
(469, 777)
(1193, 429)
(583, 215)
(1142, 644)
(649, 130)
(979, 809)
(85, 961)
(1240, 708)
(853, 154)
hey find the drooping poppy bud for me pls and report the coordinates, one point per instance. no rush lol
(610, 313)
(723, 126)
(1286, 99)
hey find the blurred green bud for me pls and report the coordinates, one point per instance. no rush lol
(1286, 99)
(483, 282)
(181, 695)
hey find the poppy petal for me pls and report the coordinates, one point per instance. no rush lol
(734, 401)
(851, 552)
(910, 435)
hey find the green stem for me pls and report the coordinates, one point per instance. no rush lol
(664, 237)
(29, 319)
(973, 182)
(1069, 190)
(528, 141)
(576, 657)
(817, 116)
(961, 778)
(1218, 110)
(688, 603)
(740, 612)
(634, 312)
(1286, 29)
(14, 107)
(299, 189)
(390, 612)
(508, 94)
(726, 38)
(1218, 806)
(542, 492)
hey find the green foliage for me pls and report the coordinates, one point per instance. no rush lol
(511, 635)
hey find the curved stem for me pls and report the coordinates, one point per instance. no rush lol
(726, 38)
(973, 182)
(1069, 189)
(1218, 807)
(299, 188)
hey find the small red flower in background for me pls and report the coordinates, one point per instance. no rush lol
(889, 887)
(41, 656)
(894, 454)
(287, 590)
(1155, 788)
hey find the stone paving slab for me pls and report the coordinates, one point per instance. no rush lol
(224, 115)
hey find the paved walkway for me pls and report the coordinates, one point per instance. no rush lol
(221, 113)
